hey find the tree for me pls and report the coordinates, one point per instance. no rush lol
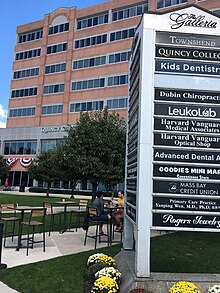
(67, 166)
(4, 169)
(96, 147)
(44, 168)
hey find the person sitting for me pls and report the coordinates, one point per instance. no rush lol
(119, 214)
(102, 215)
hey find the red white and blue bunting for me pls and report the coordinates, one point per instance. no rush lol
(11, 161)
(25, 162)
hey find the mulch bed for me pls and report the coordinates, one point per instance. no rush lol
(88, 282)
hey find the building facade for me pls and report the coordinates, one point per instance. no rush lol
(72, 60)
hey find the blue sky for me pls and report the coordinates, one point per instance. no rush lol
(14, 13)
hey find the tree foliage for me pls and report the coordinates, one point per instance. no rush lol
(96, 148)
(4, 169)
(44, 168)
(66, 165)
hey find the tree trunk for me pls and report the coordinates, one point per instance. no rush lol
(112, 194)
(72, 191)
(48, 189)
(94, 189)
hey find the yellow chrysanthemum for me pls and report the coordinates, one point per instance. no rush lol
(184, 287)
(105, 285)
(106, 259)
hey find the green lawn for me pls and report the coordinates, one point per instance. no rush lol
(186, 252)
(62, 274)
(28, 199)
(35, 201)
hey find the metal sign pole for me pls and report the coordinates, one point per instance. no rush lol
(2, 265)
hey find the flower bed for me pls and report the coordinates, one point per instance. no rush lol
(188, 287)
(100, 275)
(214, 289)
(184, 287)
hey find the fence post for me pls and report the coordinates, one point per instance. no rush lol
(2, 265)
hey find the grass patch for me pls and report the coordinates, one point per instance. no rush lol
(62, 274)
(28, 200)
(186, 252)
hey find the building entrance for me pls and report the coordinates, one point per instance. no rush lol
(20, 178)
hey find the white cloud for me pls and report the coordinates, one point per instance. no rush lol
(2, 124)
(3, 115)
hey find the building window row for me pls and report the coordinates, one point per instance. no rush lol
(167, 3)
(87, 84)
(91, 41)
(48, 144)
(26, 92)
(89, 62)
(119, 57)
(52, 109)
(118, 80)
(101, 60)
(22, 112)
(121, 35)
(117, 14)
(99, 82)
(20, 147)
(54, 68)
(30, 36)
(54, 88)
(29, 72)
(128, 12)
(92, 21)
(87, 106)
(58, 28)
(101, 39)
(114, 103)
(57, 48)
(28, 54)
(117, 103)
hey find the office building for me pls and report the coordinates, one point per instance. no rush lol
(70, 61)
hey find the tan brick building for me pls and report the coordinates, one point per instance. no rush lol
(72, 60)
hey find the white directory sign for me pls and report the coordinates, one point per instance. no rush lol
(173, 159)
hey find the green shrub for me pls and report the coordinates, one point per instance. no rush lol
(91, 270)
